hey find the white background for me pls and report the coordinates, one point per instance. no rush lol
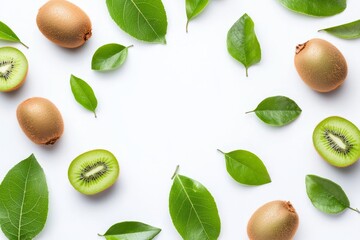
(176, 104)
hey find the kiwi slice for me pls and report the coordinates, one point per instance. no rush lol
(337, 140)
(13, 69)
(93, 171)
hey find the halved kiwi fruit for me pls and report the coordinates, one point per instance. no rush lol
(13, 69)
(337, 140)
(94, 171)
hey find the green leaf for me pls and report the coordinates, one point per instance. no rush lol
(8, 35)
(194, 8)
(277, 111)
(193, 210)
(24, 200)
(144, 20)
(242, 43)
(83, 93)
(346, 31)
(326, 195)
(109, 57)
(246, 168)
(131, 231)
(318, 8)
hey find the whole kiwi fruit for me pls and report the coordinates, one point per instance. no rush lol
(94, 171)
(337, 140)
(40, 120)
(320, 65)
(275, 220)
(64, 23)
(13, 69)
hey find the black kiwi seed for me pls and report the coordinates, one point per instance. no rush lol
(92, 177)
(6, 75)
(341, 150)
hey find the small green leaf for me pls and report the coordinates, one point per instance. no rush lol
(277, 111)
(242, 43)
(131, 231)
(109, 57)
(246, 168)
(193, 210)
(144, 20)
(194, 8)
(326, 195)
(318, 8)
(346, 31)
(24, 200)
(83, 93)
(8, 35)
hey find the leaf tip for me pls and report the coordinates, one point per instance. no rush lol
(176, 172)
(220, 151)
(24, 45)
(355, 210)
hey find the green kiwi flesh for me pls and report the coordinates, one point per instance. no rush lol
(94, 171)
(13, 69)
(337, 140)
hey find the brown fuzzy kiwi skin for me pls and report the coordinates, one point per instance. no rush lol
(320, 65)
(40, 120)
(275, 220)
(64, 23)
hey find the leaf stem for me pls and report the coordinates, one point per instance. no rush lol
(24, 45)
(355, 209)
(130, 46)
(220, 151)
(176, 172)
(187, 25)
(247, 75)
(249, 111)
(95, 114)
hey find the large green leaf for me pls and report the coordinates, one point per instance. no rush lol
(131, 231)
(193, 210)
(194, 8)
(326, 195)
(319, 8)
(144, 20)
(23, 200)
(246, 168)
(277, 110)
(349, 30)
(242, 43)
(8, 35)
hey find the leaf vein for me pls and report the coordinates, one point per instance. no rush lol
(192, 206)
